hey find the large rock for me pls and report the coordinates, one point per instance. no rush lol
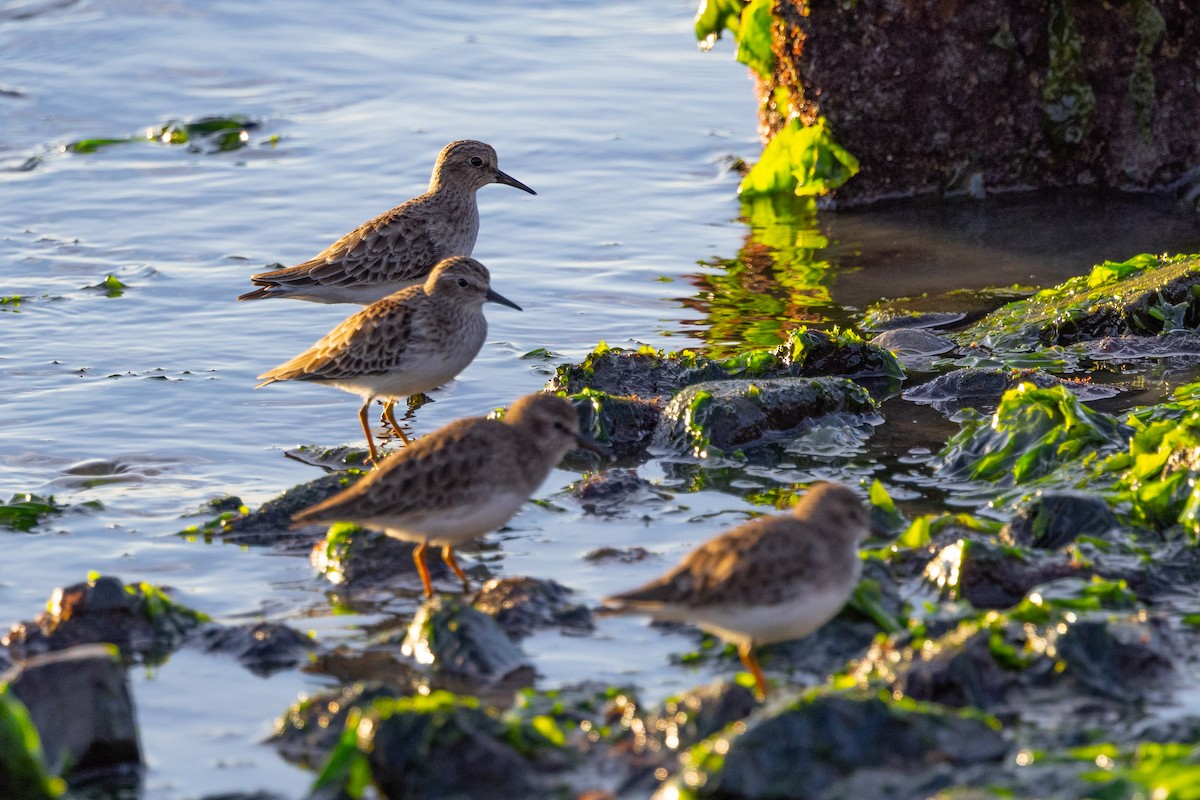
(80, 703)
(944, 97)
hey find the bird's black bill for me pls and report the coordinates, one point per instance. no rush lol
(509, 180)
(495, 297)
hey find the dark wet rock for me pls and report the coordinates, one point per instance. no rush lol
(645, 373)
(996, 576)
(731, 415)
(1077, 96)
(444, 748)
(624, 424)
(79, 701)
(1146, 295)
(261, 647)
(1055, 519)
(981, 388)
(806, 747)
(270, 524)
(461, 643)
(608, 492)
(357, 558)
(523, 605)
(813, 353)
(1115, 658)
(308, 731)
(914, 348)
(139, 619)
(960, 671)
(623, 555)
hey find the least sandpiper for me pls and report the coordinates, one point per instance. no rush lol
(769, 580)
(399, 247)
(412, 341)
(460, 481)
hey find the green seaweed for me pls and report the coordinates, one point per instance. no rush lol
(1158, 770)
(1032, 433)
(23, 771)
(219, 134)
(750, 25)
(24, 511)
(802, 160)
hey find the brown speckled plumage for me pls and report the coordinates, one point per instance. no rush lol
(412, 341)
(462, 480)
(400, 247)
(771, 579)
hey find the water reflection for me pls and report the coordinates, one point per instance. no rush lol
(777, 282)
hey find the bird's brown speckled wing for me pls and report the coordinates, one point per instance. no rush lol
(370, 342)
(395, 246)
(434, 473)
(772, 554)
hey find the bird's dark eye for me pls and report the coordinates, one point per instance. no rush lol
(462, 282)
(476, 161)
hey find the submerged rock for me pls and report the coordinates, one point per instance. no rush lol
(308, 731)
(731, 415)
(139, 619)
(261, 647)
(977, 387)
(523, 605)
(914, 348)
(80, 703)
(806, 747)
(609, 492)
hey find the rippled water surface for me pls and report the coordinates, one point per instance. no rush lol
(145, 402)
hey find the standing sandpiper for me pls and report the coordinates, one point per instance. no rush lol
(412, 341)
(770, 580)
(400, 247)
(460, 481)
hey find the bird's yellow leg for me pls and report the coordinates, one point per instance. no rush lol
(422, 570)
(390, 416)
(366, 426)
(746, 653)
(448, 557)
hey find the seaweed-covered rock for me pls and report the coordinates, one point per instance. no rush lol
(730, 415)
(1145, 295)
(1115, 658)
(358, 558)
(1055, 519)
(461, 643)
(1032, 433)
(80, 703)
(806, 747)
(270, 524)
(1172, 351)
(261, 647)
(523, 605)
(309, 730)
(138, 618)
(685, 719)
(650, 373)
(438, 746)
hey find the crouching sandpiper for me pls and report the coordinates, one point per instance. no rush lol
(410, 342)
(400, 247)
(461, 481)
(769, 580)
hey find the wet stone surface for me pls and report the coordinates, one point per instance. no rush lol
(261, 647)
(524, 605)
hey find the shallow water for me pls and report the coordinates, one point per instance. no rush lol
(145, 401)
